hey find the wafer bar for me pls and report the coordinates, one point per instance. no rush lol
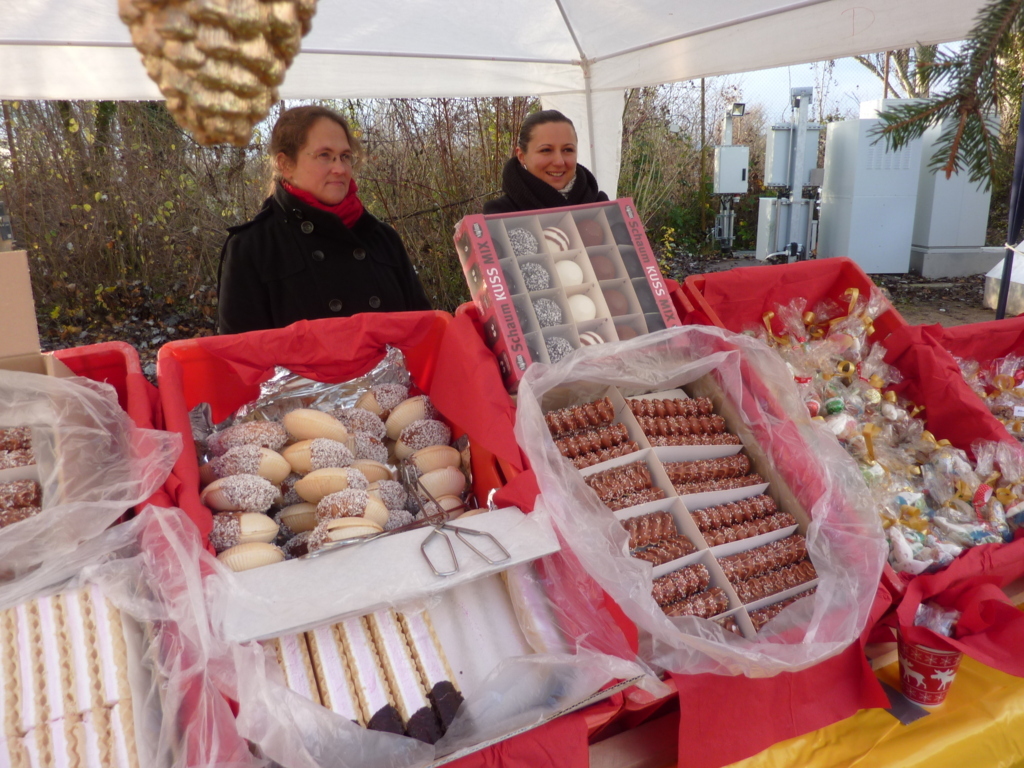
(406, 685)
(703, 605)
(297, 663)
(376, 702)
(746, 530)
(681, 425)
(680, 584)
(708, 469)
(721, 438)
(729, 483)
(619, 481)
(667, 550)
(635, 499)
(15, 439)
(438, 679)
(753, 562)
(762, 616)
(648, 529)
(776, 581)
(696, 406)
(589, 440)
(737, 512)
(577, 417)
(596, 457)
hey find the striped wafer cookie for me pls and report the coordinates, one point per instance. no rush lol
(333, 673)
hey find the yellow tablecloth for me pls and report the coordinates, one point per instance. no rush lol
(980, 725)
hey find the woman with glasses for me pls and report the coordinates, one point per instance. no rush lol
(543, 172)
(313, 251)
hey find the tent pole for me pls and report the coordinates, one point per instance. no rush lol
(1016, 216)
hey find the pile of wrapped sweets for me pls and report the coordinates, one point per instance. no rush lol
(933, 501)
(1000, 384)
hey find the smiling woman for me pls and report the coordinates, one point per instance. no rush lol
(543, 172)
(313, 251)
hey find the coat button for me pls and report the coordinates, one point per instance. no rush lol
(335, 305)
(318, 255)
(306, 226)
(374, 302)
(359, 254)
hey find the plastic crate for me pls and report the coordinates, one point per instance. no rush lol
(985, 342)
(210, 370)
(737, 299)
(115, 363)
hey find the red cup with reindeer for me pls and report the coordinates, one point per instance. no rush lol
(926, 673)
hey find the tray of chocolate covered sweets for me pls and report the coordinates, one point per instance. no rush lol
(696, 496)
(549, 282)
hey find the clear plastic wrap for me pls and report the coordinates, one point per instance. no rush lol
(92, 462)
(844, 539)
(151, 569)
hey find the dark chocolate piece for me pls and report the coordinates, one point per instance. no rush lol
(446, 699)
(423, 725)
(387, 719)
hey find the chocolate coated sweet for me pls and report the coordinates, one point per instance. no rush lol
(576, 417)
(736, 513)
(667, 550)
(695, 406)
(523, 242)
(603, 454)
(603, 266)
(548, 312)
(557, 347)
(617, 302)
(535, 277)
(680, 584)
(681, 472)
(703, 605)
(647, 529)
(591, 232)
(726, 484)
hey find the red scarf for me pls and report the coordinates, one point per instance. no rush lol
(348, 210)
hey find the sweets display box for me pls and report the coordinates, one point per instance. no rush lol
(680, 506)
(548, 282)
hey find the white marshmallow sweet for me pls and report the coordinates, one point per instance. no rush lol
(582, 308)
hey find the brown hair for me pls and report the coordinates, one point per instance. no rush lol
(539, 118)
(292, 129)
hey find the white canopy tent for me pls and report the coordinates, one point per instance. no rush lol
(577, 55)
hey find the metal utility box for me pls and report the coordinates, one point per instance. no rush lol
(731, 165)
(777, 154)
(868, 199)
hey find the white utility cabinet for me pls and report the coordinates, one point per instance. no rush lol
(869, 198)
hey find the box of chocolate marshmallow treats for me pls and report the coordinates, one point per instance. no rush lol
(548, 282)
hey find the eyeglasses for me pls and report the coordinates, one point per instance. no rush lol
(327, 159)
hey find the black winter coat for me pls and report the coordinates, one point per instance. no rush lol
(296, 262)
(525, 192)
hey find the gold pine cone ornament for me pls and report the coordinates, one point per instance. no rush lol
(218, 62)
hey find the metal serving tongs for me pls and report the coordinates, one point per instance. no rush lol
(441, 526)
(462, 535)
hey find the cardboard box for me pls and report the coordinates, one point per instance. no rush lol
(19, 341)
(527, 296)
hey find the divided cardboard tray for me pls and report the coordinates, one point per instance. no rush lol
(549, 282)
(679, 506)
